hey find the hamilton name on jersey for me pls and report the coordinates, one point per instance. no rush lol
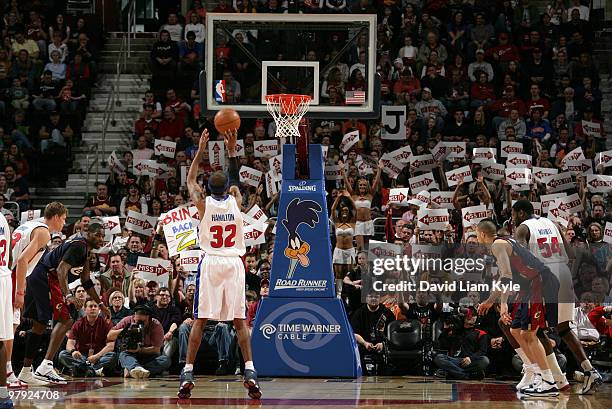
(224, 217)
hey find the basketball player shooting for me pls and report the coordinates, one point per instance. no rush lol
(220, 284)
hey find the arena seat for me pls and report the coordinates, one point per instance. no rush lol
(404, 345)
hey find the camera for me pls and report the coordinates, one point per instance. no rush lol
(131, 337)
(453, 316)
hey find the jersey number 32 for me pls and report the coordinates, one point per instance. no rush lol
(219, 239)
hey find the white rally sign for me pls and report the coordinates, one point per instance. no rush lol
(576, 154)
(559, 182)
(443, 199)
(145, 167)
(493, 171)
(508, 147)
(250, 176)
(433, 219)
(422, 182)
(391, 166)
(257, 214)
(402, 154)
(266, 149)
(603, 159)
(254, 234)
(140, 223)
(580, 166)
(454, 176)
(483, 155)
(399, 196)
(518, 160)
(181, 234)
(216, 154)
(189, 259)
(112, 225)
(153, 269)
(29, 215)
(518, 176)
(276, 166)
(608, 233)
(599, 183)
(547, 200)
(539, 173)
(164, 148)
(378, 249)
(421, 199)
(349, 140)
(114, 162)
(456, 150)
(593, 129)
(333, 172)
(570, 204)
(271, 187)
(471, 216)
(422, 163)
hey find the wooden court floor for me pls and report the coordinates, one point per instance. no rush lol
(227, 392)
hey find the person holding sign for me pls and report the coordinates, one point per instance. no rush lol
(220, 293)
(344, 252)
(362, 198)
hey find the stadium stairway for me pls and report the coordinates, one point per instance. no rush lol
(133, 82)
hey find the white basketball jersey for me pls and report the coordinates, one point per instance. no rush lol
(545, 240)
(22, 237)
(5, 247)
(221, 228)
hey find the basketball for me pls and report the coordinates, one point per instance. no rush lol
(227, 119)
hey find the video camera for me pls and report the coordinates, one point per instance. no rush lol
(131, 337)
(453, 316)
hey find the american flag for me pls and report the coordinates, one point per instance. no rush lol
(355, 97)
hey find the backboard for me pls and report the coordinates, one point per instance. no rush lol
(331, 58)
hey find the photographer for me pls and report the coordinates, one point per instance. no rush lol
(369, 323)
(140, 338)
(466, 346)
(87, 352)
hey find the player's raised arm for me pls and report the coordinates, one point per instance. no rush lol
(230, 137)
(197, 194)
(40, 238)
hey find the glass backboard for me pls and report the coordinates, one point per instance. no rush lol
(329, 57)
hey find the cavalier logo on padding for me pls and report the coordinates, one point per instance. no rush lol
(298, 212)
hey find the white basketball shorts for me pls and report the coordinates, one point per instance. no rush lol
(220, 289)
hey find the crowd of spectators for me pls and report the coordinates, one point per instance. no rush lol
(47, 69)
(479, 73)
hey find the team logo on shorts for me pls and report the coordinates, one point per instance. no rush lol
(299, 212)
(59, 306)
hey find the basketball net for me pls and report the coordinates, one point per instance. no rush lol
(287, 111)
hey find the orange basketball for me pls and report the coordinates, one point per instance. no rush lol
(227, 119)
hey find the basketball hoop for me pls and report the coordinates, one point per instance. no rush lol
(287, 111)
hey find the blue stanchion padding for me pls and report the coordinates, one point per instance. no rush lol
(302, 261)
(302, 329)
(304, 337)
